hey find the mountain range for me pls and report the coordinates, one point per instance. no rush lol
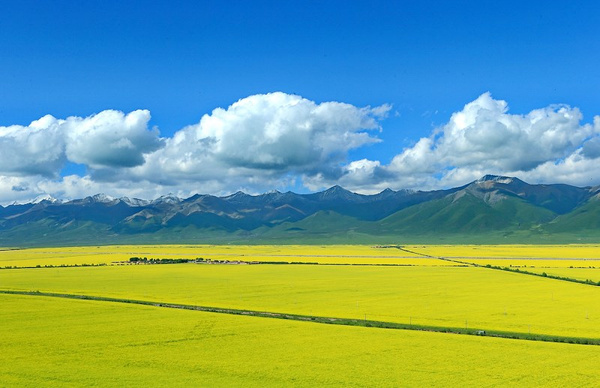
(493, 209)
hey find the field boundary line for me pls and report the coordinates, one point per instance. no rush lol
(319, 319)
(588, 282)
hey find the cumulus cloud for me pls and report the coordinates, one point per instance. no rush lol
(545, 145)
(110, 139)
(282, 132)
(280, 140)
(261, 139)
(107, 139)
(485, 135)
(37, 149)
(258, 143)
(32, 156)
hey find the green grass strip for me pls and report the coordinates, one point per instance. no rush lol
(324, 320)
(507, 269)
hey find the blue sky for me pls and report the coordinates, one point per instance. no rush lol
(423, 61)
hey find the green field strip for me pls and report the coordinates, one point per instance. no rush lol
(426, 255)
(508, 269)
(323, 320)
(525, 272)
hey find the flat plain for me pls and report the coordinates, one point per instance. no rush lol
(48, 340)
(337, 254)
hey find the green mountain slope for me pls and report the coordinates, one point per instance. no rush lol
(323, 225)
(584, 218)
(465, 213)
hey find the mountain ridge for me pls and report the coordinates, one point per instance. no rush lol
(491, 208)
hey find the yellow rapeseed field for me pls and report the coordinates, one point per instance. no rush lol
(591, 274)
(49, 342)
(336, 254)
(569, 251)
(440, 296)
(323, 254)
(536, 263)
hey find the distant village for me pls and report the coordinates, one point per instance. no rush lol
(197, 260)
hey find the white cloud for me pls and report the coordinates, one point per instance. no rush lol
(271, 140)
(258, 143)
(545, 145)
(484, 135)
(110, 139)
(37, 149)
(351, 175)
(260, 140)
(576, 169)
(276, 131)
(32, 156)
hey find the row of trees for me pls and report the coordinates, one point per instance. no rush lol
(145, 260)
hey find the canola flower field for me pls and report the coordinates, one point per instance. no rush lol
(515, 251)
(338, 254)
(84, 343)
(444, 296)
(49, 341)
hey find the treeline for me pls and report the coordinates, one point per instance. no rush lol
(201, 260)
(145, 260)
(55, 266)
(545, 275)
